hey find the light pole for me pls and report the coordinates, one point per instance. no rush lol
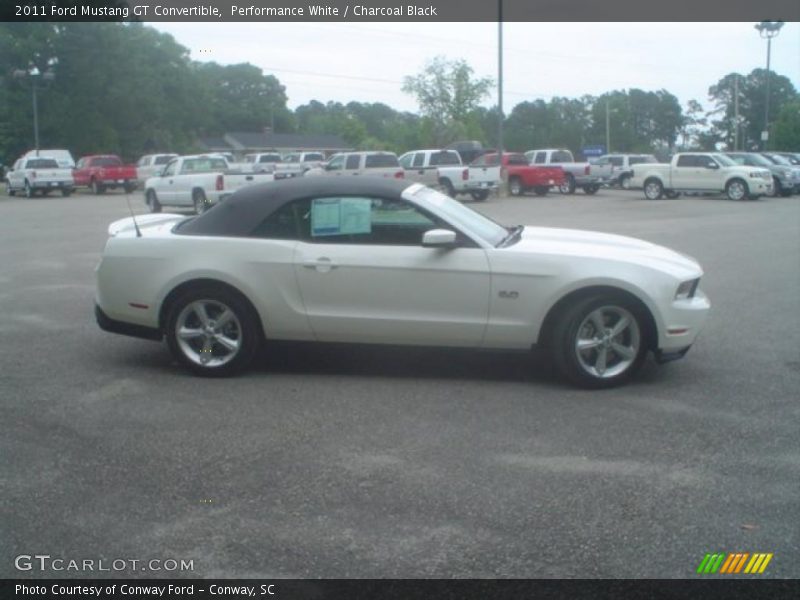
(767, 30)
(34, 74)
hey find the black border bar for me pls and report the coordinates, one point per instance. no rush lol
(399, 10)
(405, 589)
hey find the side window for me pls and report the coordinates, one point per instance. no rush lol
(419, 160)
(541, 158)
(479, 162)
(81, 164)
(616, 161)
(290, 222)
(687, 160)
(169, 171)
(336, 163)
(405, 160)
(353, 161)
(362, 220)
(445, 157)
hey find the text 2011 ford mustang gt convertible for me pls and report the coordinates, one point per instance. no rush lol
(392, 262)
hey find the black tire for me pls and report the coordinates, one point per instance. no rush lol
(515, 186)
(29, 191)
(479, 195)
(625, 182)
(737, 189)
(245, 330)
(591, 189)
(447, 187)
(672, 194)
(199, 202)
(653, 189)
(540, 190)
(568, 187)
(576, 323)
(97, 188)
(9, 190)
(777, 188)
(152, 201)
(66, 192)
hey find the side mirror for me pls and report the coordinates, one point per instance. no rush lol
(439, 238)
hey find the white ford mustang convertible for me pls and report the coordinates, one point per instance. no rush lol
(392, 262)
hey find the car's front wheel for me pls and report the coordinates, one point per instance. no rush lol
(737, 190)
(28, 190)
(199, 202)
(212, 331)
(600, 341)
(568, 185)
(625, 182)
(515, 186)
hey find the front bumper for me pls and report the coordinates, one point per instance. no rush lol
(681, 324)
(760, 187)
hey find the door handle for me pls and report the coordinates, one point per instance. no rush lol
(322, 264)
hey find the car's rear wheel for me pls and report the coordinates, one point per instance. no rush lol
(568, 185)
(591, 189)
(653, 190)
(97, 188)
(447, 187)
(152, 202)
(515, 186)
(737, 190)
(625, 182)
(600, 341)
(480, 195)
(212, 331)
(199, 202)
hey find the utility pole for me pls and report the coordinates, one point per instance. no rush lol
(500, 82)
(736, 112)
(767, 30)
(608, 129)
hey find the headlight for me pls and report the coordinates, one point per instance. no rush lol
(687, 289)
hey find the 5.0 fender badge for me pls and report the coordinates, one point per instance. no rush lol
(511, 295)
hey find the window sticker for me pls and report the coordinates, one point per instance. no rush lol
(340, 216)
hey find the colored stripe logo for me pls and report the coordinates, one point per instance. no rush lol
(734, 563)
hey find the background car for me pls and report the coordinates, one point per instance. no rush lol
(783, 176)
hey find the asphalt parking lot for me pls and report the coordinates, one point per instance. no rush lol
(330, 461)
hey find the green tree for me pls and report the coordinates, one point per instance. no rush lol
(447, 93)
(787, 127)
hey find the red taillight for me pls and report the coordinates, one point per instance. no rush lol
(220, 183)
(400, 175)
(465, 174)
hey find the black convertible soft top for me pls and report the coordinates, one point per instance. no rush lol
(244, 210)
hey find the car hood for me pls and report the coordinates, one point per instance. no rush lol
(605, 246)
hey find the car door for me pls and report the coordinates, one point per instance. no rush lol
(165, 184)
(352, 165)
(364, 276)
(687, 173)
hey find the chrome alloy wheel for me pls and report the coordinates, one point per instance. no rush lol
(736, 190)
(208, 333)
(608, 342)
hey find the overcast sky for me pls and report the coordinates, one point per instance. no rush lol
(367, 62)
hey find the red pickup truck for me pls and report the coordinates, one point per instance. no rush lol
(522, 176)
(104, 171)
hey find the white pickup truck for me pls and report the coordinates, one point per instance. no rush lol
(39, 174)
(576, 175)
(197, 181)
(443, 168)
(701, 172)
(478, 179)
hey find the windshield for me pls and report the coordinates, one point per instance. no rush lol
(724, 160)
(754, 159)
(462, 216)
(779, 160)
